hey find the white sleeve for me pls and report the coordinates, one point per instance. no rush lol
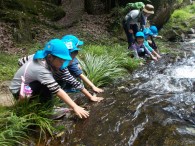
(134, 14)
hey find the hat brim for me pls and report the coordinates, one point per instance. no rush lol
(75, 49)
(80, 43)
(149, 12)
(64, 57)
(40, 54)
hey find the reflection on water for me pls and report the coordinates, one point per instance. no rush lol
(158, 109)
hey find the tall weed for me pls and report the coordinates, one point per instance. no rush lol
(17, 121)
(101, 70)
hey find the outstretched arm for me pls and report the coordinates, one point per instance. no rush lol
(91, 97)
(81, 112)
(86, 80)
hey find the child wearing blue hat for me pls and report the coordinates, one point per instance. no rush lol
(150, 38)
(138, 47)
(74, 68)
(63, 76)
(37, 73)
(147, 32)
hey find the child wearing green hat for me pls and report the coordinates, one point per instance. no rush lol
(38, 75)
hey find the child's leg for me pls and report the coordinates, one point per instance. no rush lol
(42, 91)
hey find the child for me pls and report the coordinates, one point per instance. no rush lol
(74, 68)
(38, 74)
(63, 75)
(147, 32)
(151, 41)
(138, 47)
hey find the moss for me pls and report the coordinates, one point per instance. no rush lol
(179, 1)
(180, 22)
(26, 13)
(15, 16)
(31, 7)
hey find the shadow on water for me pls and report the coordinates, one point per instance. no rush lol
(154, 106)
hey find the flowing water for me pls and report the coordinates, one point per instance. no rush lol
(155, 106)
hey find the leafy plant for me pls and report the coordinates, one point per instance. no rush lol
(8, 66)
(17, 121)
(101, 70)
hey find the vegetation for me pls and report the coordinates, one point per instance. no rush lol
(101, 70)
(22, 118)
(181, 20)
(102, 63)
(8, 66)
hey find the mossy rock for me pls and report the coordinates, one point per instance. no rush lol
(46, 9)
(180, 22)
(26, 13)
(15, 16)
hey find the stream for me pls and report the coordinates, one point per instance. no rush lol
(155, 106)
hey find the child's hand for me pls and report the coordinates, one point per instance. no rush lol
(81, 112)
(154, 58)
(97, 99)
(98, 90)
(158, 56)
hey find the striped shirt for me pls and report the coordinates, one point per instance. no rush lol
(61, 75)
(34, 70)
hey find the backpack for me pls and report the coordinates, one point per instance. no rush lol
(133, 6)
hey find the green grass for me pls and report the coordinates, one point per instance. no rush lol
(101, 70)
(9, 63)
(16, 122)
(8, 66)
(104, 63)
(181, 18)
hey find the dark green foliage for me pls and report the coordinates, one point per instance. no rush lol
(8, 66)
(28, 8)
(25, 14)
(17, 121)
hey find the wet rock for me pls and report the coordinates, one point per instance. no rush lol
(191, 31)
(176, 27)
(123, 89)
(183, 37)
(185, 24)
(191, 36)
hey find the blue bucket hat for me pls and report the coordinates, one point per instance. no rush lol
(147, 32)
(73, 39)
(154, 30)
(55, 47)
(70, 45)
(139, 34)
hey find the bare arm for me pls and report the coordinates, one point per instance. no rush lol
(81, 112)
(91, 97)
(86, 80)
(155, 53)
